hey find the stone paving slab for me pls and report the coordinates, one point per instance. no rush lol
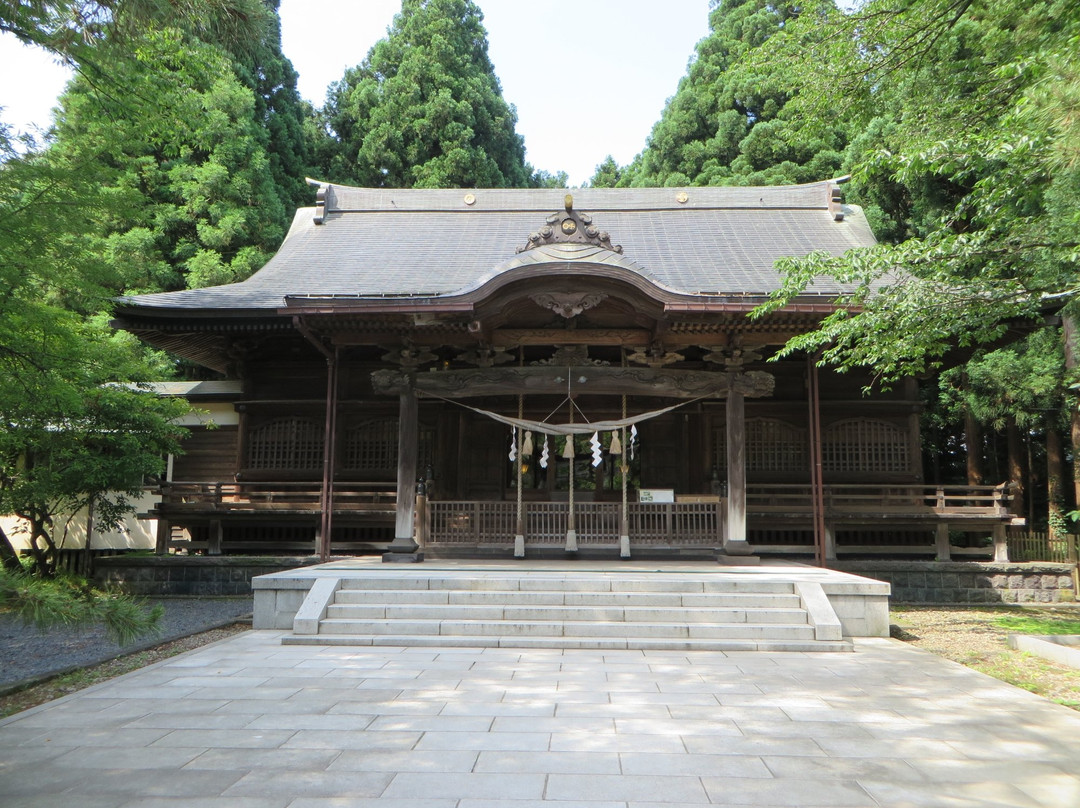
(247, 723)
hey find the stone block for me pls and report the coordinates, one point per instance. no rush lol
(1048, 582)
(1025, 595)
(950, 580)
(1015, 581)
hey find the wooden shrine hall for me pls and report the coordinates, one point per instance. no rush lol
(559, 372)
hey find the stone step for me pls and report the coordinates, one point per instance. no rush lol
(611, 613)
(556, 598)
(567, 610)
(576, 628)
(576, 582)
(598, 642)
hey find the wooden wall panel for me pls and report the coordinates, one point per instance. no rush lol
(209, 456)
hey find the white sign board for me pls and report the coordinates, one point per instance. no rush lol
(656, 495)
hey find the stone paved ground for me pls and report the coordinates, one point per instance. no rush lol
(247, 722)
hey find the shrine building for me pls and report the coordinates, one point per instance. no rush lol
(559, 372)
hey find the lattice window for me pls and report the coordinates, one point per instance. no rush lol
(861, 445)
(372, 447)
(771, 446)
(286, 443)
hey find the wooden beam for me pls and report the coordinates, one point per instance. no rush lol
(513, 337)
(583, 379)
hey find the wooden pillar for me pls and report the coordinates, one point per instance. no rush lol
(404, 547)
(830, 541)
(422, 520)
(163, 536)
(817, 484)
(326, 493)
(214, 539)
(1001, 543)
(944, 551)
(735, 542)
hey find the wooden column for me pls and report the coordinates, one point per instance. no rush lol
(214, 539)
(735, 542)
(404, 547)
(162, 537)
(326, 492)
(942, 546)
(830, 541)
(817, 483)
(1001, 544)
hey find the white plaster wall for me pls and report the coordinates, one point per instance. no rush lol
(133, 534)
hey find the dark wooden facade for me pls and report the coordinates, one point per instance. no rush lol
(348, 398)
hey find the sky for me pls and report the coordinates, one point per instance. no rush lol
(588, 79)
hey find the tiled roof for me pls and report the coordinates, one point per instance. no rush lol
(378, 243)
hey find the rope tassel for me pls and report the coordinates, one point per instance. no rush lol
(568, 449)
(616, 445)
(527, 445)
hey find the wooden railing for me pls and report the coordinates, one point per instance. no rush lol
(597, 523)
(960, 501)
(248, 497)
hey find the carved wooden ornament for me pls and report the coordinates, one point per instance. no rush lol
(568, 304)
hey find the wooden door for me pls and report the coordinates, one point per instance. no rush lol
(483, 458)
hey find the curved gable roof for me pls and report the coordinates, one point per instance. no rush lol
(367, 243)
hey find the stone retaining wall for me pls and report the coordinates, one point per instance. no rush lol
(945, 582)
(149, 576)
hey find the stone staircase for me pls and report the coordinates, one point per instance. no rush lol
(575, 610)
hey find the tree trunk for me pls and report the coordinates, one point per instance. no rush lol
(1055, 480)
(1070, 334)
(1017, 466)
(973, 440)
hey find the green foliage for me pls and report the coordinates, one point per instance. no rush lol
(75, 431)
(71, 602)
(1023, 381)
(424, 109)
(188, 195)
(968, 159)
(545, 179)
(736, 118)
(607, 175)
(73, 29)
(279, 111)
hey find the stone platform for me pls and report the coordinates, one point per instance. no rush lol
(778, 606)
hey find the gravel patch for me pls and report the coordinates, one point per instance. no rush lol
(27, 655)
(974, 638)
